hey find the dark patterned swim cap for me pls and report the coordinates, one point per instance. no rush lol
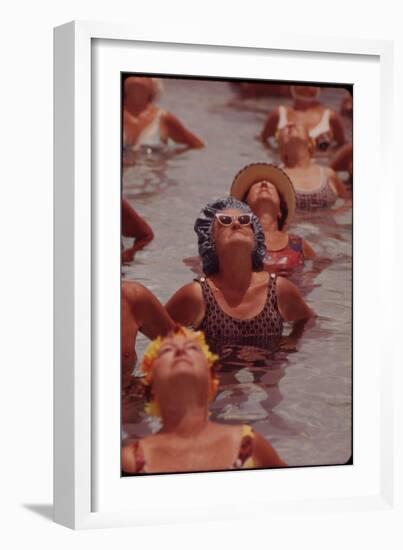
(203, 227)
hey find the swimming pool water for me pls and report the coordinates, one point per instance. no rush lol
(302, 403)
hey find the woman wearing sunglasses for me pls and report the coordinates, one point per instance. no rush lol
(236, 303)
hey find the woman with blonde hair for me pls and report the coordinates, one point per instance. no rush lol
(147, 125)
(179, 374)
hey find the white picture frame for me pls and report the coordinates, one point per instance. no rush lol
(88, 490)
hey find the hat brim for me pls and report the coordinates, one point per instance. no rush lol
(259, 171)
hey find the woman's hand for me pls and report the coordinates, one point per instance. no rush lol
(288, 343)
(127, 256)
(292, 308)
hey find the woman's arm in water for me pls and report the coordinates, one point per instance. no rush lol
(270, 126)
(307, 250)
(342, 161)
(172, 128)
(186, 306)
(292, 308)
(337, 127)
(342, 192)
(150, 315)
(264, 455)
(337, 185)
(135, 226)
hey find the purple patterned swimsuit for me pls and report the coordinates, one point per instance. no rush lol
(321, 197)
(241, 340)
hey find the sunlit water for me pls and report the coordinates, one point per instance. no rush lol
(302, 401)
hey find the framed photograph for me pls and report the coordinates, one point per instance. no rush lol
(163, 152)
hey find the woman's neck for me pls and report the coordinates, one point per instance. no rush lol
(136, 109)
(235, 269)
(305, 104)
(297, 157)
(268, 220)
(188, 421)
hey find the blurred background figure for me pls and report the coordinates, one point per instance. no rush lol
(342, 162)
(323, 125)
(316, 186)
(260, 89)
(135, 226)
(147, 125)
(346, 106)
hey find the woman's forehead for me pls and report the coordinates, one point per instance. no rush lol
(230, 211)
(178, 338)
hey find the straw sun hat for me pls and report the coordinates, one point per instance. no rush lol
(259, 171)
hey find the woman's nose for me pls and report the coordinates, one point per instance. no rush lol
(179, 350)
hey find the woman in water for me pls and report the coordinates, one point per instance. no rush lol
(236, 303)
(269, 193)
(179, 373)
(145, 124)
(316, 186)
(323, 125)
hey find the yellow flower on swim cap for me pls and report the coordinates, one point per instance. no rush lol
(151, 354)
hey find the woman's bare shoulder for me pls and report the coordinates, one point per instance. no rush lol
(186, 306)
(131, 289)
(137, 293)
(191, 290)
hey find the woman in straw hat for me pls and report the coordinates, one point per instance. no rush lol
(179, 374)
(324, 125)
(236, 303)
(145, 124)
(269, 193)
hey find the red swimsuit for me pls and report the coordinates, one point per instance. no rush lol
(284, 261)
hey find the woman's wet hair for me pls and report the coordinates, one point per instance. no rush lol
(283, 208)
(204, 225)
